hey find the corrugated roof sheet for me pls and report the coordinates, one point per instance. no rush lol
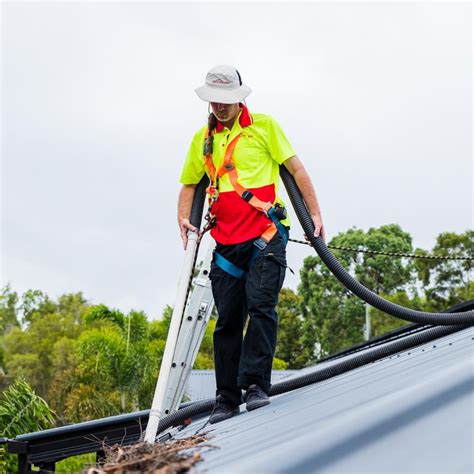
(409, 413)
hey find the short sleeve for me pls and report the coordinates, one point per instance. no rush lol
(193, 169)
(278, 145)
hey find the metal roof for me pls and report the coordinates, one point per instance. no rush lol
(409, 413)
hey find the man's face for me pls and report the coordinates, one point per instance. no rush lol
(225, 112)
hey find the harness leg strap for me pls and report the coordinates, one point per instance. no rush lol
(229, 267)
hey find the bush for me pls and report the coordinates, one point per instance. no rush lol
(21, 411)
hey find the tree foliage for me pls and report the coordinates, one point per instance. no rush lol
(36, 303)
(382, 323)
(335, 318)
(38, 340)
(447, 282)
(292, 345)
(8, 310)
(21, 411)
(69, 350)
(122, 352)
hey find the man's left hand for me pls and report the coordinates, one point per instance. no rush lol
(319, 227)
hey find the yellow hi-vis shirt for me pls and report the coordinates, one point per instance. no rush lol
(261, 148)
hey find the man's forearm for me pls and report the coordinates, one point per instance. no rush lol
(185, 202)
(307, 191)
(303, 181)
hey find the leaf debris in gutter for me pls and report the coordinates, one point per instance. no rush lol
(177, 456)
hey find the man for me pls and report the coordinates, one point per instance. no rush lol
(241, 153)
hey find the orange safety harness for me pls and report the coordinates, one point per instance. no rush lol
(228, 167)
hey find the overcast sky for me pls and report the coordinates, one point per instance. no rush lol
(98, 109)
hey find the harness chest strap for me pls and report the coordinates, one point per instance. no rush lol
(229, 168)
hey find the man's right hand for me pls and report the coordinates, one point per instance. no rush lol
(184, 227)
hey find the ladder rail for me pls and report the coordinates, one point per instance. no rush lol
(191, 335)
(188, 324)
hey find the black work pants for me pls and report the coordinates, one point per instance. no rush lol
(241, 361)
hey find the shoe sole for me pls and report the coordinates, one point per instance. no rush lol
(257, 404)
(218, 418)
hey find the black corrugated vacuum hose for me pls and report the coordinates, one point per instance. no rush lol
(438, 319)
(198, 202)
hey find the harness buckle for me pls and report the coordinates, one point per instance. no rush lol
(212, 192)
(260, 244)
(247, 195)
(211, 222)
(268, 209)
(280, 212)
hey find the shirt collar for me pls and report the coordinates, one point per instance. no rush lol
(245, 119)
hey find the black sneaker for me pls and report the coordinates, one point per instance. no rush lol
(256, 398)
(223, 409)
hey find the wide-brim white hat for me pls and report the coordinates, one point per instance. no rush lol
(223, 85)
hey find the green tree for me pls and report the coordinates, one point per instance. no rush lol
(381, 323)
(380, 273)
(334, 318)
(73, 304)
(35, 303)
(101, 312)
(205, 356)
(279, 364)
(76, 463)
(146, 390)
(121, 351)
(292, 345)
(447, 282)
(45, 345)
(37, 341)
(90, 402)
(69, 350)
(21, 411)
(108, 354)
(8, 310)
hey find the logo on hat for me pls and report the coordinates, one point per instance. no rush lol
(220, 81)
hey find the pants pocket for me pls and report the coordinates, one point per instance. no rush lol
(273, 272)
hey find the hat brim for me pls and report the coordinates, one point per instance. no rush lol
(223, 96)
